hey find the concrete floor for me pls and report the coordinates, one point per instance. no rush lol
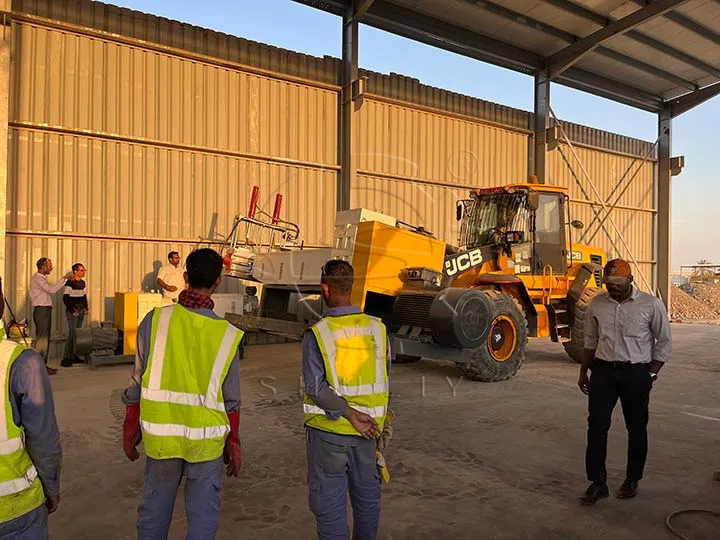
(491, 461)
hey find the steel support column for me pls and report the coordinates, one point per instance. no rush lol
(349, 75)
(664, 200)
(541, 112)
(5, 45)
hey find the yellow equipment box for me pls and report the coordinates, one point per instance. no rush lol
(382, 252)
(130, 310)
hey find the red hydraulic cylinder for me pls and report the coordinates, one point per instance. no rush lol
(253, 201)
(276, 211)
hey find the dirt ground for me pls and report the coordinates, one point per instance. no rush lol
(491, 461)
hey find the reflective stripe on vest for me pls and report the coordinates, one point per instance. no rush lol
(20, 488)
(354, 351)
(178, 423)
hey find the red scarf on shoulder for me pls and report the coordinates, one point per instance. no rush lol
(193, 300)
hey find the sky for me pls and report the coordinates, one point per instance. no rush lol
(290, 25)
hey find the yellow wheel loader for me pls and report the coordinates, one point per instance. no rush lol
(515, 274)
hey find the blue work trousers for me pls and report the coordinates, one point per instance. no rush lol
(31, 526)
(335, 469)
(202, 498)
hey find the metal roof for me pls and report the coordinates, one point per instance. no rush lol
(649, 55)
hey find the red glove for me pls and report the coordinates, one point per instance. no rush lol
(131, 431)
(232, 455)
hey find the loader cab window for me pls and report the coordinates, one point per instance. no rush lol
(550, 234)
(491, 216)
(547, 220)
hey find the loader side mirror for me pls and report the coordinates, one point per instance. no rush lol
(459, 210)
(533, 200)
(577, 224)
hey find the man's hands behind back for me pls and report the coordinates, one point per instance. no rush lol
(363, 423)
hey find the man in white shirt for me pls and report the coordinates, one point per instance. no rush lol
(627, 342)
(41, 300)
(171, 277)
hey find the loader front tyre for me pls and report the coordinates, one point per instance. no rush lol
(576, 346)
(503, 352)
(405, 359)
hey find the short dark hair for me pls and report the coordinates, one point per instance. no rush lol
(172, 253)
(338, 274)
(77, 266)
(42, 261)
(203, 268)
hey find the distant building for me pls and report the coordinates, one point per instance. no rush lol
(678, 280)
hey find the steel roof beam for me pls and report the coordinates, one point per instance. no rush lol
(647, 68)
(571, 38)
(392, 18)
(687, 23)
(609, 89)
(689, 101)
(636, 35)
(361, 7)
(336, 7)
(691, 25)
(425, 29)
(562, 60)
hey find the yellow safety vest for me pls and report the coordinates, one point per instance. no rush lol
(182, 409)
(354, 352)
(20, 488)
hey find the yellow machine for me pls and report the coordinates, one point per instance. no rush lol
(516, 273)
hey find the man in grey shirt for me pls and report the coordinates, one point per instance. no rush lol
(627, 342)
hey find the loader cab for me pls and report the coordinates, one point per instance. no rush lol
(524, 222)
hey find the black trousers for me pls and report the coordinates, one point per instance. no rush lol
(42, 317)
(631, 383)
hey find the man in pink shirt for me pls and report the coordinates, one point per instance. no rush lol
(41, 300)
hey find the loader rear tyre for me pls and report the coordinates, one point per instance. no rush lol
(405, 359)
(503, 352)
(576, 346)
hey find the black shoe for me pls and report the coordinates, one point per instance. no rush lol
(594, 493)
(66, 362)
(77, 360)
(628, 489)
(51, 371)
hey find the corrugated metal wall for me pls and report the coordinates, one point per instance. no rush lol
(121, 150)
(118, 154)
(624, 183)
(415, 164)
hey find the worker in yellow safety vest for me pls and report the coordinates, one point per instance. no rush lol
(184, 404)
(346, 396)
(30, 451)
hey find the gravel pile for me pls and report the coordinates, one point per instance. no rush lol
(707, 294)
(701, 303)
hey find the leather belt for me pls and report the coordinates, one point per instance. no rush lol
(619, 365)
